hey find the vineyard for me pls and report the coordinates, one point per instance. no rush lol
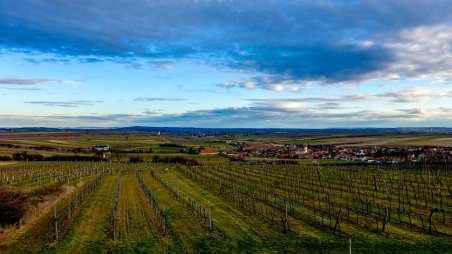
(92, 207)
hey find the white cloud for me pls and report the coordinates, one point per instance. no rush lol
(260, 115)
(66, 104)
(248, 85)
(151, 112)
(414, 94)
(21, 81)
(422, 52)
(415, 53)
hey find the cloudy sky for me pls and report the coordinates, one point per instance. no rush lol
(226, 63)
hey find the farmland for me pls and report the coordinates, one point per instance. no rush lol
(251, 208)
(206, 203)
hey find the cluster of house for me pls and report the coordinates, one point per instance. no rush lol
(369, 154)
(396, 154)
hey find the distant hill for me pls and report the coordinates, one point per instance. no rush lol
(192, 130)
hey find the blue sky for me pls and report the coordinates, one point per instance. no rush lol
(294, 64)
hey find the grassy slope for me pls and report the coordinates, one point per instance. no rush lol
(88, 233)
(245, 233)
(236, 230)
(185, 232)
(305, 238)
(37, 234)
(137, 230)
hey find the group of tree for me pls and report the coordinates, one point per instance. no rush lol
(25, 156)
(175, 160)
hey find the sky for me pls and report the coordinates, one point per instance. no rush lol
(226, 63)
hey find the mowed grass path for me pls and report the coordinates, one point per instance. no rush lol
(245, 233)
(185, 232)
(137, 231)
(89, 232)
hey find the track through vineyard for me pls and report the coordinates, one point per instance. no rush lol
(88, 232)
(136, 224)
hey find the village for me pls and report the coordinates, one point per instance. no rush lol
(367, 154)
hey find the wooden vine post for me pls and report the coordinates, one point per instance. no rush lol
(210, 217)
(56, 223)
(350, 245)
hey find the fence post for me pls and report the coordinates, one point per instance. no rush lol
(287, 222)
(56, 223)
(210, 218)
(164, 224)
(350, 244)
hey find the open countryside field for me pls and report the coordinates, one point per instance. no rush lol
(122, 145)
(354, 140)
(144, 146)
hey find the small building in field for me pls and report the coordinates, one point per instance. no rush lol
(207, 151)
(101, 148)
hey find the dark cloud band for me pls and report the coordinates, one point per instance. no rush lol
(288, 41)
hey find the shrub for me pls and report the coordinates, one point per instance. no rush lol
(12, 206)
(136, 159)
(5, 158)
(176, 159)
(171, 145)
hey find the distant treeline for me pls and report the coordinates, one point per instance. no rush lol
(257, 162)
(182, 149)
(24, 156)
(171, 159)
(176, 159)
(6, 158)
(141, 150)
(47, 148)
(171, 145)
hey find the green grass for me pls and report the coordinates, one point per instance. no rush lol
(211, 158)
(90, 228)
(245, 233)
(395, 240)
(137, 231)
(236, 229)
(38, 234)
(185, 232)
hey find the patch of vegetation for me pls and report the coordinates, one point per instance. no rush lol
(25, 156)
(171, 145)
(5, 158)
(176, 159)
(136, 159)
(12, 206)
(15, 203)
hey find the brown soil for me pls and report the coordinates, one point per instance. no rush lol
(37, 203)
